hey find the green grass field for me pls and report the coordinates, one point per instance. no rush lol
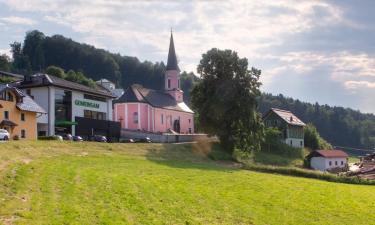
(51, 182)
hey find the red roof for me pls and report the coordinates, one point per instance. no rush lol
(332, 153)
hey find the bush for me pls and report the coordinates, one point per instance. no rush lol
(272, 144)
(313, 140)
(16, 137)
(292, 171)
(55, 71)
(48, 138)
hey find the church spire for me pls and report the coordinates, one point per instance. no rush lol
(172, 58)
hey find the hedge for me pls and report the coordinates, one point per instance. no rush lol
(307, 174)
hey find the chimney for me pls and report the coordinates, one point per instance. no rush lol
(291, 119)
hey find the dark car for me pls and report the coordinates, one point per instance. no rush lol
(144, 140)
(77, 138)
(67, 137)
(98, 138)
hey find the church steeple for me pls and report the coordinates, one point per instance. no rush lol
(172, 74)
(172, 58)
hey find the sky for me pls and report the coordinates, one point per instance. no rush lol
(315, 51)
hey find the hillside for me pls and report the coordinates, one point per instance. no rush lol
(95, 183)
(340, 126)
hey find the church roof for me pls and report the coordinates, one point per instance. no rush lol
(172, 58)
(158, 99)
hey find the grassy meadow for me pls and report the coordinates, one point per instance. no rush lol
(50, 182)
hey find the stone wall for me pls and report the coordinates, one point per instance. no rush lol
(162, 138)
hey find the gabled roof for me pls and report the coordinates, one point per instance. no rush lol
(6, 122)
(26, 103)
(40, 80)
(287, 116)
(3, 73)
(103, 80)
(172, 58)
(158, 99)
(328, 154)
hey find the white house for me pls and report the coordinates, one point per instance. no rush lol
(110, 86)
(327, 159)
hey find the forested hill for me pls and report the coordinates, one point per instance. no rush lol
(340, 126)
(38, 51)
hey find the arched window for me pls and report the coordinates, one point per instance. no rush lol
(135, 117)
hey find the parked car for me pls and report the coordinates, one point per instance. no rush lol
(144, 140)
(4, 135)
(67, 137)
(58, 137)
(128, 140)
(98, 138)
(77, 138)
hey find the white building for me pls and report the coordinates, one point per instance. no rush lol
(72, 108)
(118, 92)
(290, 126)
(328, 159)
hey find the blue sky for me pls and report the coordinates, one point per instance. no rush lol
(316, 51)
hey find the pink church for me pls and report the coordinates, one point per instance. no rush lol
(156, 111)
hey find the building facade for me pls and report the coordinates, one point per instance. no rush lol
(18, 113)
(157, 111)
(66, 102)
(291, 127)
(328, 159)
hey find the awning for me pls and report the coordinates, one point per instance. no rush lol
(8, 123)
(65, 123)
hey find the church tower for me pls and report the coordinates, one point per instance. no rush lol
(172, 74)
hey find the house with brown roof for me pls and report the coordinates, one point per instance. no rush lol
(291, 126)
(328, 159)
(18, 113)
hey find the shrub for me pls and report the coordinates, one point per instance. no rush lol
(292, 171)
(16, 137)
(272, 144)
(313, 140)
(48, 138)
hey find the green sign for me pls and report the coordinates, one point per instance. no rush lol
(86, 104)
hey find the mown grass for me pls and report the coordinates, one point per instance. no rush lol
(92, 183)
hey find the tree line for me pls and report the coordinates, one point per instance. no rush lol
(338, 125)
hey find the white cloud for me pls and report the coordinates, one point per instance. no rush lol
(6, 52)
(245, 26)
(359, 84)
(18, 20)
(351, 69)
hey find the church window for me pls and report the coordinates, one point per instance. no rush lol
(169, 83)
(135, 117)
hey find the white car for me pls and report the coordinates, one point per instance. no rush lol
(4, 135)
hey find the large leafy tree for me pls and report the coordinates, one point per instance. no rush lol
(225, 100)
(21, 62)
(5, 63)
